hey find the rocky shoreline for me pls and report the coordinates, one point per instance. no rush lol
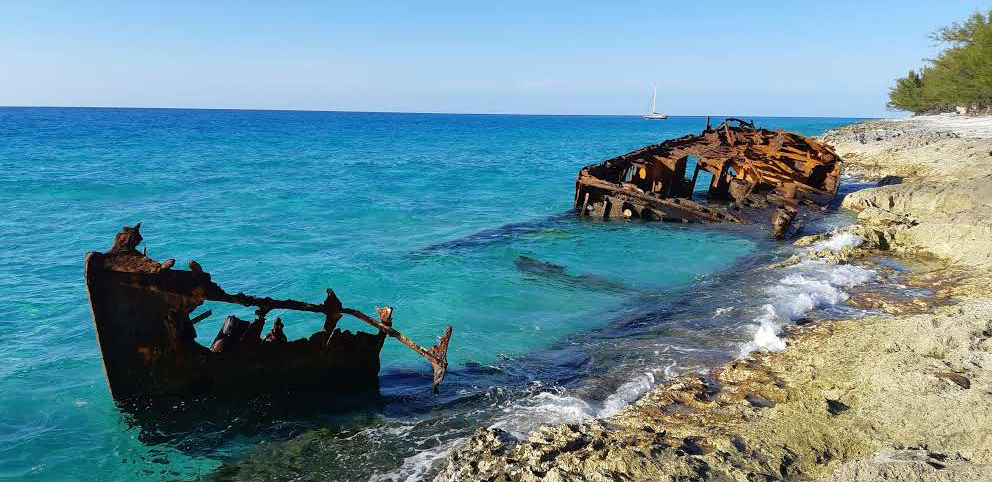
(900, 397)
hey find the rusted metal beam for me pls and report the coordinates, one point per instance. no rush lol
(436, 355)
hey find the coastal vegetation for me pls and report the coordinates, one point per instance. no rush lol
(959, 76)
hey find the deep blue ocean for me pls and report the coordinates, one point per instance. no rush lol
(458, 220)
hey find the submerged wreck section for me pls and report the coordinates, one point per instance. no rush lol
(756, 175)
(142, 312)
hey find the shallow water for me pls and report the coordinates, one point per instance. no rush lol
(452, 219)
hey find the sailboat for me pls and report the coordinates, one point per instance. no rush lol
(654, 115)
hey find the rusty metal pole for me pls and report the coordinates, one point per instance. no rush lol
(437, 355)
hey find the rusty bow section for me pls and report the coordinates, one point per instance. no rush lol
(756, 175)
(142, 311)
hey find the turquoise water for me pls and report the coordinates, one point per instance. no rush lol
(439, 216)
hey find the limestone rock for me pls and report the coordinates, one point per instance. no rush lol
(950, 219)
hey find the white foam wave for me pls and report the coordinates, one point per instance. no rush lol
(626, 393)
(527, 414)
(722, 311)
(417, 466)
(550, 408)
(806, 286)
(520, 419)
(631, 391)
(543, 408)
(838, 242)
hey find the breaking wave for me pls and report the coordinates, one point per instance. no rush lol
(525, 415)
(806, 286)
(838, 241)
(546, 408)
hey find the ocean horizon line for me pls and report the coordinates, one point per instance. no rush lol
(235, 109)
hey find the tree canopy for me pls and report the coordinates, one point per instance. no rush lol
(960, 75)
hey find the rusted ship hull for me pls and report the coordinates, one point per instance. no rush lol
(757, 176)
(142, 314)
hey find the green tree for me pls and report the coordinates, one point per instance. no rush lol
(960, 75)
(908, 94)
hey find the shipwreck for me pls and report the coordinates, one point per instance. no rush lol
(146, 330)
(757, 176)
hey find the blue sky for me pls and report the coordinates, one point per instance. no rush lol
(714, 57)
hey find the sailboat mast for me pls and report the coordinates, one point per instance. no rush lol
(654, 96)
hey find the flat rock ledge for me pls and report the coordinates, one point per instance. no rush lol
(926, 147)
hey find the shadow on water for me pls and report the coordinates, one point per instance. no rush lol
(502, 234)
(546, 272)
(202, 425)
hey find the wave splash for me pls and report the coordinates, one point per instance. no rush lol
(808, 285)
(548, 407)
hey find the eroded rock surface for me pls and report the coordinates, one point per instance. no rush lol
(914, 149)
(950, 219)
